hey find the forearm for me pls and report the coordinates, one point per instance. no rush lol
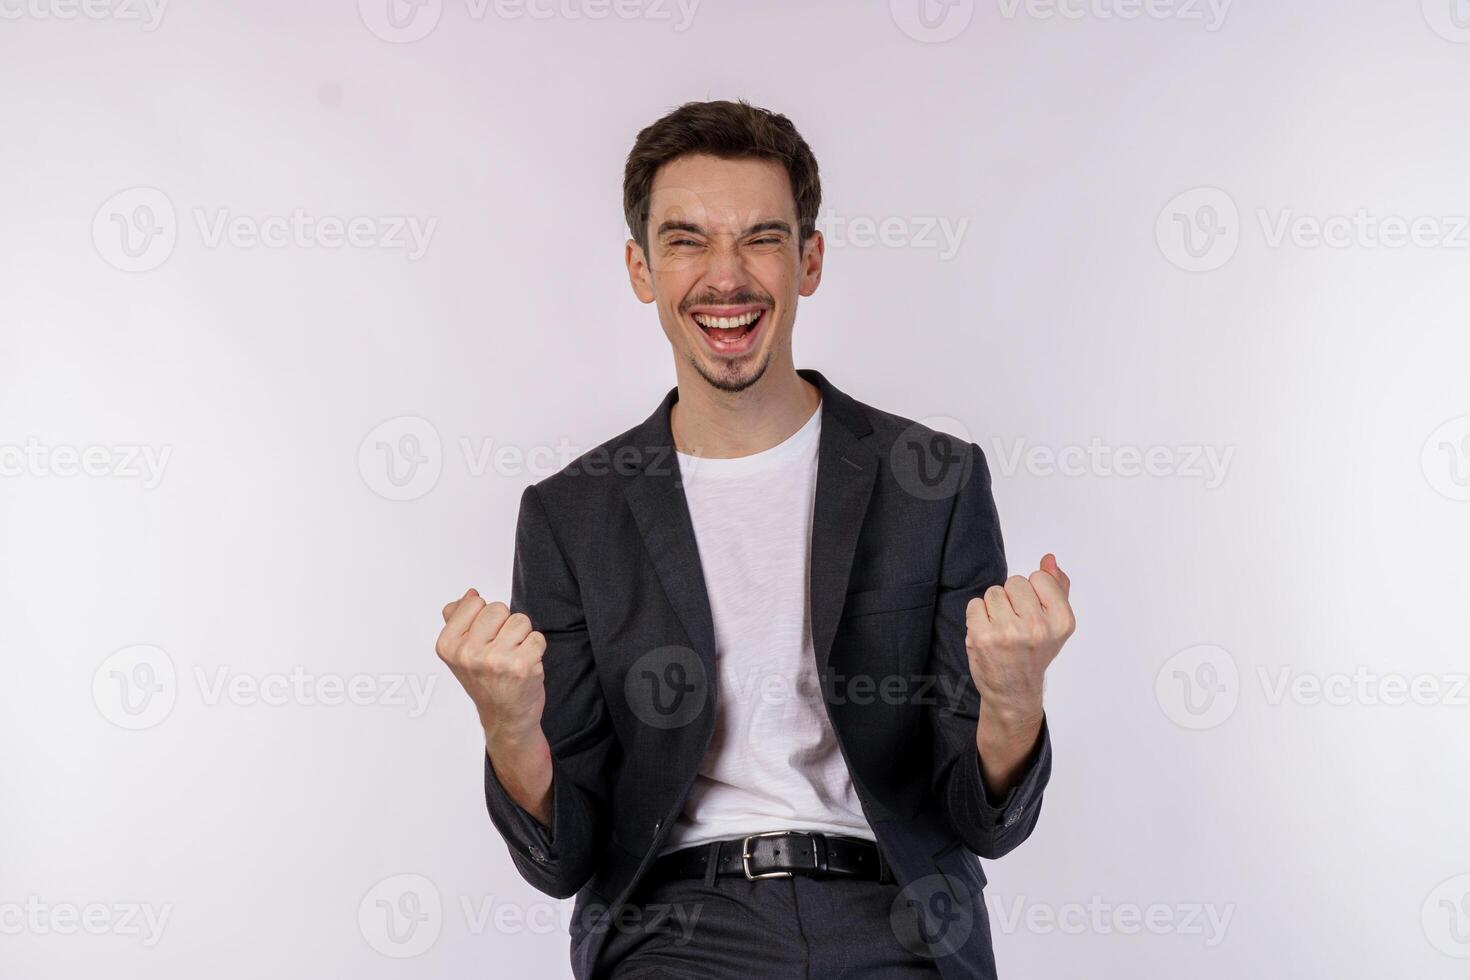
(1006, 738)
(523, 766)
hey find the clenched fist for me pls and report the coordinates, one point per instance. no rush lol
(1013, 633)
(496, 656)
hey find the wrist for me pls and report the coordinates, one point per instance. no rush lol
(523, 766)
(1005, 739)
(1011, 715)
(511, 741)
(517, 742)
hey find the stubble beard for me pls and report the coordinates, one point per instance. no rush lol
(731, 383)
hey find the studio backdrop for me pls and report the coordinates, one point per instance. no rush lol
(296, 299)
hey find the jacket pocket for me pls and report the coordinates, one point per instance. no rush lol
(893, 599)
(954, 860)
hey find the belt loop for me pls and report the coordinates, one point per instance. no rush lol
(883, 875)
(819, 854)
(711, 862)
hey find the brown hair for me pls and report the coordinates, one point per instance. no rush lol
(729, 130)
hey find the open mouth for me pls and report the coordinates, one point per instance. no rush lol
(731, 333)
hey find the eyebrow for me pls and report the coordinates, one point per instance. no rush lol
(688, 226)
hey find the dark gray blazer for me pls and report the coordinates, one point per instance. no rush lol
(904, 534)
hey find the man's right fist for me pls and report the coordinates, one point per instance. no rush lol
(496, 656)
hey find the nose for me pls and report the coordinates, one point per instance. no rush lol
(725, 272)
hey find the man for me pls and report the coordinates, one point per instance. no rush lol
(767, 690)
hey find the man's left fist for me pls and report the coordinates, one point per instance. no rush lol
(1014, 632)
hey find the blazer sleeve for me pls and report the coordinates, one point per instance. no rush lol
(974, 560)
(559, 859)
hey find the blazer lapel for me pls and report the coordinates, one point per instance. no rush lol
(846, 473)
(656, 497)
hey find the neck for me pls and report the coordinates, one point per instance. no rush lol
(719, 424)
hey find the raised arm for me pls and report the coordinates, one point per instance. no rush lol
(990, 734)
(545, 770)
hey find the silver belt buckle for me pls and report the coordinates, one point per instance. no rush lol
(745, 856)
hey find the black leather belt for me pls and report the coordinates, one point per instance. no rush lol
(779, 854)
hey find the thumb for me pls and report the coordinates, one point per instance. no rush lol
(1049, 566)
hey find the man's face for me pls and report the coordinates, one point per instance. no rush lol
(725, 266)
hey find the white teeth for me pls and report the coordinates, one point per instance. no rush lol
(727, 322)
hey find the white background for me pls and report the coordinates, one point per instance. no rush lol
(1331, 545)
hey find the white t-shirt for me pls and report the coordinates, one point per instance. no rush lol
(773, 762)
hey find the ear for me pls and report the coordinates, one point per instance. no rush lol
(812, 253)
(640, 276)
